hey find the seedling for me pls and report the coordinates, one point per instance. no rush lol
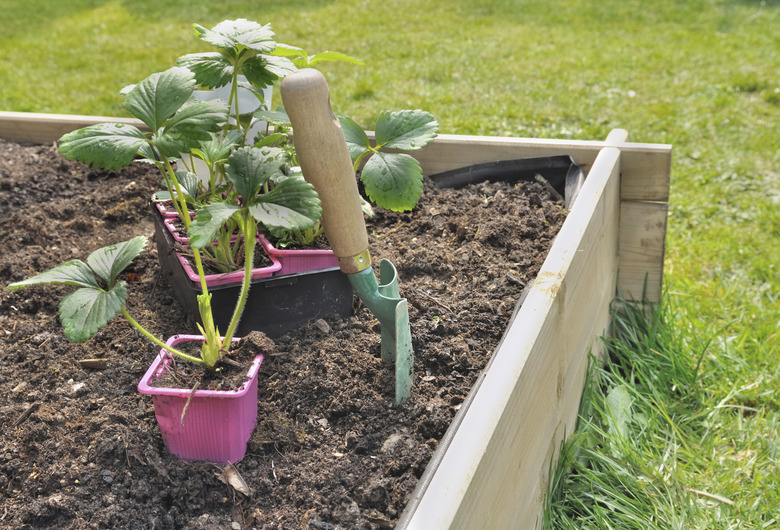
(292, 203)
(247, 57)
(243, 51)
(249, 189)
(392, 180)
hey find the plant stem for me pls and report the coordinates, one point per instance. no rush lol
(360, 158)
(234, 101)
(201, 271)
(157, 341)
(249, 229)
(180, 208)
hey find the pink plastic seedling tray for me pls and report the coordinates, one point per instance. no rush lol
(229, 277)
(294, 261)
(283, 261)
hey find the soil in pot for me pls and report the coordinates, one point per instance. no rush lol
(80, 447)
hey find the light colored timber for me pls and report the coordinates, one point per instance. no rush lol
(494, 472)
(646, 167)
(30, 127)
(641, 249)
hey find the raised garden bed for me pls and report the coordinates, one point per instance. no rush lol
(489, 469)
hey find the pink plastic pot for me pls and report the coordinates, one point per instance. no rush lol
(170, 224)
(217, 424)
(166, 209)
(289, 261)
(294, 261)
(235, 277)
(223, 278)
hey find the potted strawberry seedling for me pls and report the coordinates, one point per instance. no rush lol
(102, 295)
(246, 61)
(241, 71)
(178, 123)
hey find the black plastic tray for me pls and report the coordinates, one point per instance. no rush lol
(274, 306)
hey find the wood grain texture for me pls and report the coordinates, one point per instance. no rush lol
(495, 470)
(30, 127)
(641, 249)
(646, 167)
(325, 161)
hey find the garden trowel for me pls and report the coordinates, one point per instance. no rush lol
(326, 164)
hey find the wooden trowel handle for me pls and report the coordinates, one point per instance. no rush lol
(326, 164)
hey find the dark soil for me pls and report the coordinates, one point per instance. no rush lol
(80, 447)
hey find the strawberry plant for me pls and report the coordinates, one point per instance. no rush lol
(392, 179)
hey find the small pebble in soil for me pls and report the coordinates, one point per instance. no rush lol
(322, 326)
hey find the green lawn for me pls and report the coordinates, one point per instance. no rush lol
(703, 75)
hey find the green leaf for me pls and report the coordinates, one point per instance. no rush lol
(198, 119)
(148, 152)
(208, 221)
(259, 93)
(406, 129)
(332, 56)
(189, 182)
(619, 402)
(302, 60)
(218, 147)
(214, 70)
(291, 205)
(278, 116)
(393, 181)
(187, 128)
(250, 167)
(161, 196)
(155, 99)
(74, 272)
(238, 35)
(211, 69)
(270, 140)
(86, 310)
(109, 262)
(357, 140)
(286, 50)
(108, 145)
(263, 70)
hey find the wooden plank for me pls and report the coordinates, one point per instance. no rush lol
(641, 249)
(30, 127)
(647, 166)
(647, 170)
(456, 151)
(642, 230)
(490, 477)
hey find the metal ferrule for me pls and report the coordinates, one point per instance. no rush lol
(355, 264)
